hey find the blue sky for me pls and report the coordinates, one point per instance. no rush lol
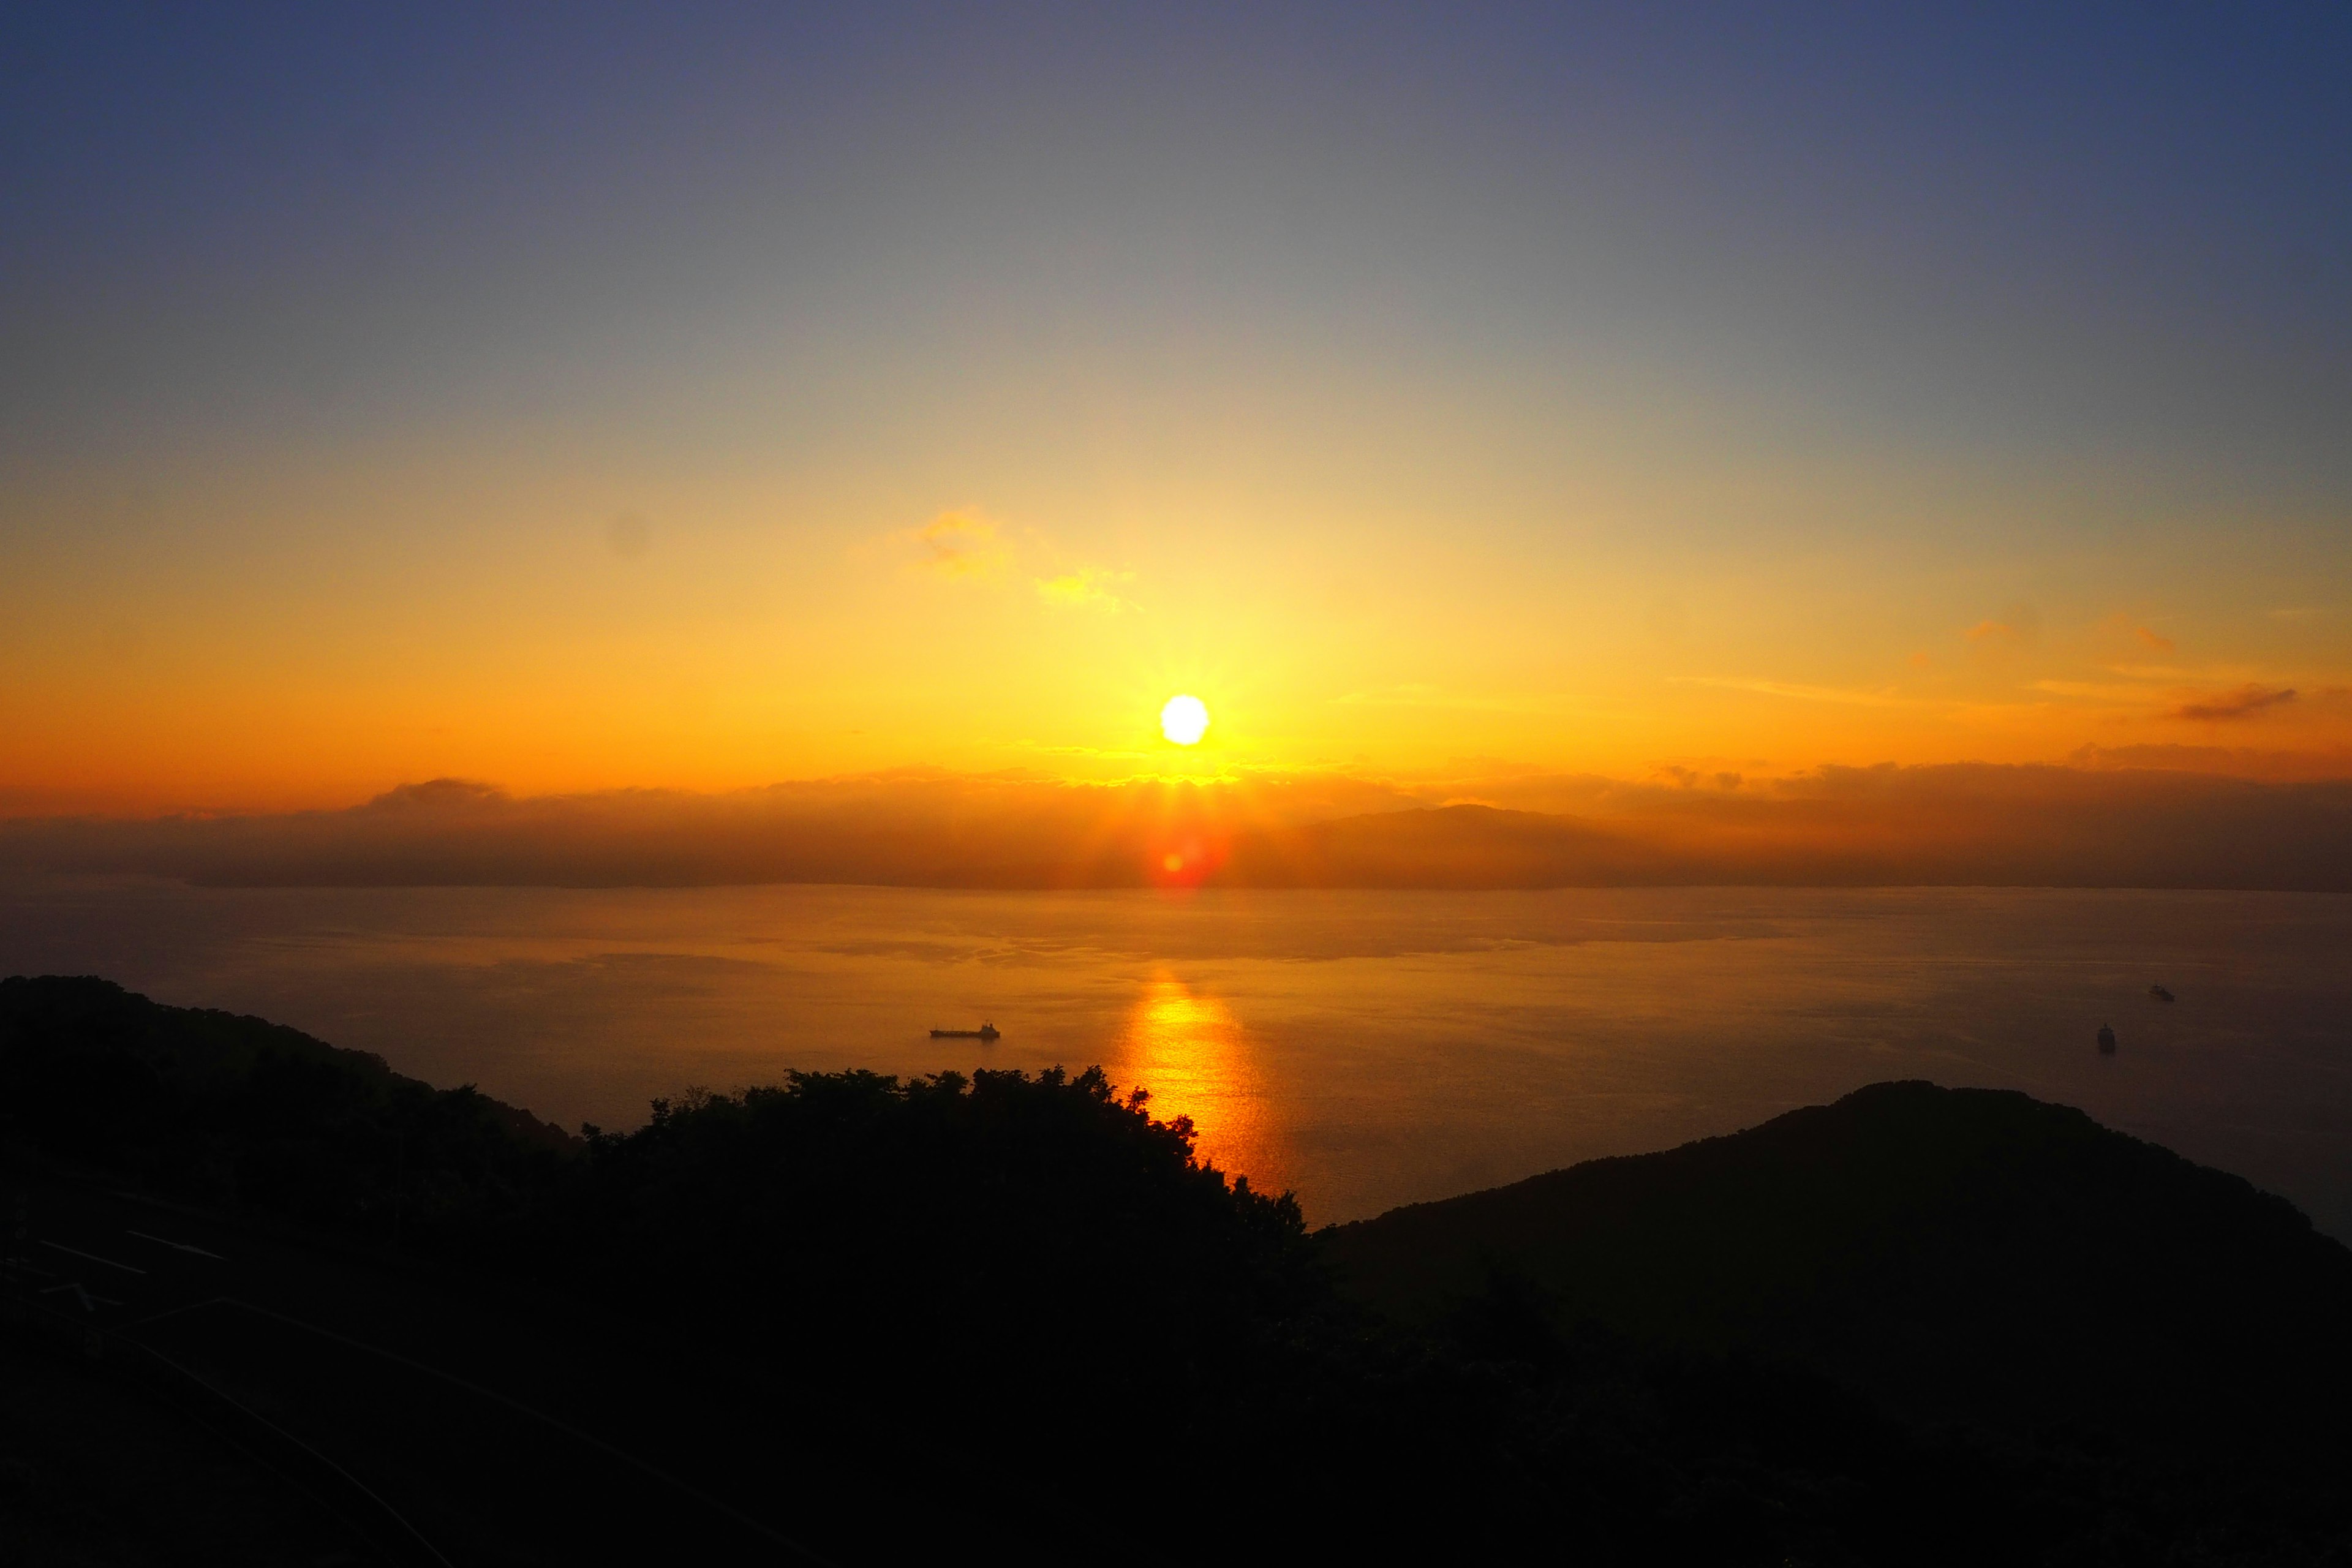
(1841, 330)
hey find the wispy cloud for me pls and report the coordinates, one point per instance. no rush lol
(960, 545)
(1087, 588)
(1410, 694)
(2017, 626)
(2093, 689)
(1692, 778)
(1860, 697)
(2247, 702)
(1422, 694)
(2236, 761)
(2121, 625)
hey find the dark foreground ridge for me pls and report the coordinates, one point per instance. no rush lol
(1962, 1254)
(310, 1306)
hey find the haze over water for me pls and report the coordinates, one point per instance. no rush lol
(1364, 1048)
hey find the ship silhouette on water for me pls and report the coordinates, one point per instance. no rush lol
(986, 1032)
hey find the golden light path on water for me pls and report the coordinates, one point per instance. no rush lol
(1193, 1054)
(1366, 1048)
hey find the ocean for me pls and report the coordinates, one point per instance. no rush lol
(1363, 1050)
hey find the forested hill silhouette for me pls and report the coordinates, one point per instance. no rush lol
(887, 1318)
(220, 1107)
(1955, 1253)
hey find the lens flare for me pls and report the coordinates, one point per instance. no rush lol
(1184, 720)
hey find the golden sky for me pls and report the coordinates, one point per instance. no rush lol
(820, 405)
(318, 632)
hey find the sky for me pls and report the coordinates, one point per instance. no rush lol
(578, 398)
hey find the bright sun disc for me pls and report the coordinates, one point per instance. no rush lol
(1184, 720)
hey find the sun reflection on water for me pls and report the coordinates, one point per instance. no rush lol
(1195, 1057)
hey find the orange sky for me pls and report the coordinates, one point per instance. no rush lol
(310, 633)
(825, 403)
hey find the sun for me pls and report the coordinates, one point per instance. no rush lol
(1184, 720)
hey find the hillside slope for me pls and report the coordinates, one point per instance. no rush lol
(222, 1107)
(1953, 1252)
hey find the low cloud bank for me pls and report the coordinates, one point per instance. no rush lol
(1952, 826)
(914, 829)
(1958, 824)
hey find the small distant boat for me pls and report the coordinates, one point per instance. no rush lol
(2159, 993)
(985, 1032)
(2106, 1041)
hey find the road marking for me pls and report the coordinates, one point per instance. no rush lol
(384, 1513)
(89, 1302)
(172, 1312)
(176, 1246)
(92, 1257)
(544, 1419)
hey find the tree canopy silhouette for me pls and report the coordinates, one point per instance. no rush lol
(1017, 1311)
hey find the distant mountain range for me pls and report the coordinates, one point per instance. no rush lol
(1960, 824)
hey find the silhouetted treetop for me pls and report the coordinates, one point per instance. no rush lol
(916, 1318)
(1045, 1222)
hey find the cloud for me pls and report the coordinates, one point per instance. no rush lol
(1087, 588)
(1425, 694)
(2091, 691)
(1691, 778)
(2121, 626)
(439, 794)
(1858, 697)
(2248, 701)
(960, 544)
(1956, 825)
(2018, 626)
(2235, 762)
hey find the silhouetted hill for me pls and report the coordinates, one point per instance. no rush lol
(1953, 1253)
(229, 1109)
(1013, 1314)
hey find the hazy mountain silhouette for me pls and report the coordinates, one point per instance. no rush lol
(886, 1319)
(1957, 824)
(1449, 847)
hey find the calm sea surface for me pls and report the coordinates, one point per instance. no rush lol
(1364, 1048)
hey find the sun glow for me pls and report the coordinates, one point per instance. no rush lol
(1184, 720)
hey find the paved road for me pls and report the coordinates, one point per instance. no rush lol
(461, 1424)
